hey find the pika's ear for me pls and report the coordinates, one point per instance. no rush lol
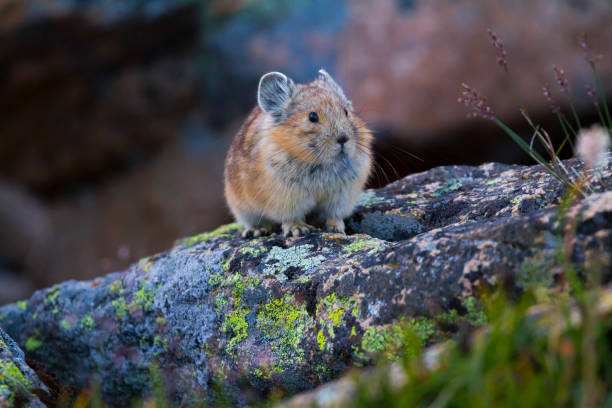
(325, 77)
(274, 93)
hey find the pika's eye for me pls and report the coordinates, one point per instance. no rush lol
(313, 117)
(345, 112)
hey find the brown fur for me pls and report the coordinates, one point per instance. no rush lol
(278, 172)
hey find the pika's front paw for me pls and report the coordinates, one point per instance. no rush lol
(254, 232)
(296, 228)
(335, 225)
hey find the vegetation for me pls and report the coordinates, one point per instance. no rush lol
(555, 354)
(593, 141)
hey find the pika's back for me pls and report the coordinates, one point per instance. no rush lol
(302, 142)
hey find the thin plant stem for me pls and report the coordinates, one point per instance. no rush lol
(569, 125)
(535, 155)
(602, 97)
(566, 133)
(574, 113)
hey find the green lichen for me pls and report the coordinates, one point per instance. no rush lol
(254, 251)
(449, 186)
(52, 294)
(285, 322)
(65, 324)
(145, 264)
(331, 310)
(145, 297)
(220, 302)
(368, 198)
(120, 307)
(223, 231)
(360, 244)
(258, 373)
(87, 322)
(238, 285)
(494, 181)
(12, 379)
(160, 342)
(321, 339)
(236, 322)
(32, 344)
(215, 279)
(301, 256)
(116, 286)
(322, 372)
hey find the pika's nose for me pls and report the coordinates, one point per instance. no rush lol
(342, 139)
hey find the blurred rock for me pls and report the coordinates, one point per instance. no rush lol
(105, 228)
(24, 225)
(14, 286)
(404, 67)
(102, 136)
(402, 63)
(85, 92)
(219, 318)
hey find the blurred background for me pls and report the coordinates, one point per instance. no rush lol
(115, 115)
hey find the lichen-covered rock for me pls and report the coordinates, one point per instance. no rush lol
(19, 385)
(218, 316)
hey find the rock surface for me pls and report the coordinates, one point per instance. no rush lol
(18, 383)
(218, 316)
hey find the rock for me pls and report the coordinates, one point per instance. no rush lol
(220, 317)
(393, 378)
(119, 127)
(106, 81)
(13, 287)
(402, 62)
(19, 385)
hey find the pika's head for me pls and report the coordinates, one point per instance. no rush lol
(314, 122)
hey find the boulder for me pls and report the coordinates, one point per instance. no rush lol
(106, 81)
(19, 385)
(219, 317)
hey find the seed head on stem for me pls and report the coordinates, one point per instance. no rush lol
(588, 54)
(592, 92)
(561, 79)
(499, 47)
(473, 100)
(553, 105)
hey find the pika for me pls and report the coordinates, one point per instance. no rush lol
(301, 151)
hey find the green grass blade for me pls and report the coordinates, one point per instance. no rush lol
(602, 96)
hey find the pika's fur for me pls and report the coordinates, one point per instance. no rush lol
(302, 151)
